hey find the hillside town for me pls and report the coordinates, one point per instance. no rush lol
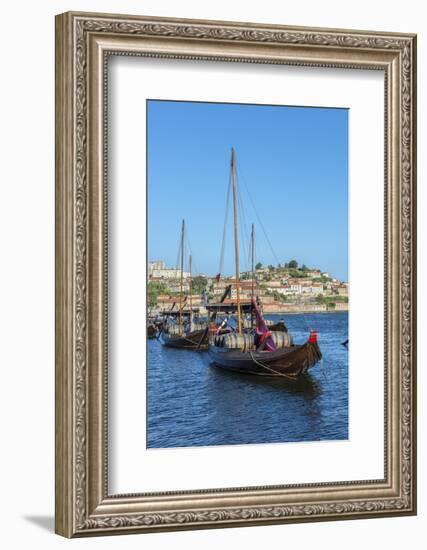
(287, 288)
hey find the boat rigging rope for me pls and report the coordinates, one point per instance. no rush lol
(177, 258)
(322, 368)
(247, 249)
(190, 253)
(306, 325)
(244, 228)
(257, 215)
(224, 231)
(203, 336)
(242, 178)
(277, 373)
(184, 337)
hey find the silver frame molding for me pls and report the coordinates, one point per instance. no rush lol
(83, 43)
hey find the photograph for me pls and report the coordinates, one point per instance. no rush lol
(235, 271)
(247, 274)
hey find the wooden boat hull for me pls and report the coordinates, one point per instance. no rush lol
(289, 362)
(197, 339)
(151, 332)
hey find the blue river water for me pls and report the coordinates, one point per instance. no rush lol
(193, 403)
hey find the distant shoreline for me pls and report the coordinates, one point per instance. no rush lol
(286, 312)
(282, 312)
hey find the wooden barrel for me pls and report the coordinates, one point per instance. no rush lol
(174, 330)
(237, 341)
(198, 326)
(281, 339)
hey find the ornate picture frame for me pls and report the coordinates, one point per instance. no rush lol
(84, 506)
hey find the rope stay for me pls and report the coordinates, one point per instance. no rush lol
(258, 216)
(224, 231)
(178, 257)
(275, 372)
(244, 227)
(190, 252)
(242, 178)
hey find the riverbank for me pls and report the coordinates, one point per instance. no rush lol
(286, 310)
(304, 308)
(301, 311)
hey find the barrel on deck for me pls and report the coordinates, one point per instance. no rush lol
(174, 330)
(199, 325)
(282, 339)
(233, 340)
(246, 342)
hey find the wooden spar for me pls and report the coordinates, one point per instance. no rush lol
(253, 268)
(191, 297)
(236, 243)
(182, 273)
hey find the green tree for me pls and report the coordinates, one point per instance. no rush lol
(321, 279)
(278, 296)
(199, 284)
(258, 265)
(297, 274)
(293, 264)
(155, 289)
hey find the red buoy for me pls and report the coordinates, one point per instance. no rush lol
(313, 337)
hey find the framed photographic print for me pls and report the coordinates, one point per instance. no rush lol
(235, 274)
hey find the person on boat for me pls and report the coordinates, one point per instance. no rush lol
(282, 322)
(260, 340)
(222, 326)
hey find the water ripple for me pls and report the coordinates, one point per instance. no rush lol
(192, 403)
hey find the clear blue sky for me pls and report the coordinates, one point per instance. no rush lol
(293, 160)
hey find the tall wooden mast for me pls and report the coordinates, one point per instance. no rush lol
(253, 259)
(253, 269)
(191, 297)
(236, 241)
(182, 273)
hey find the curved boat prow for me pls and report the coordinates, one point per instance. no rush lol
(314, 347)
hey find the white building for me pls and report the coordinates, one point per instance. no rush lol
(158, 269)
(156, 264)
(289, 289)
(169, 273)
(312, 289)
